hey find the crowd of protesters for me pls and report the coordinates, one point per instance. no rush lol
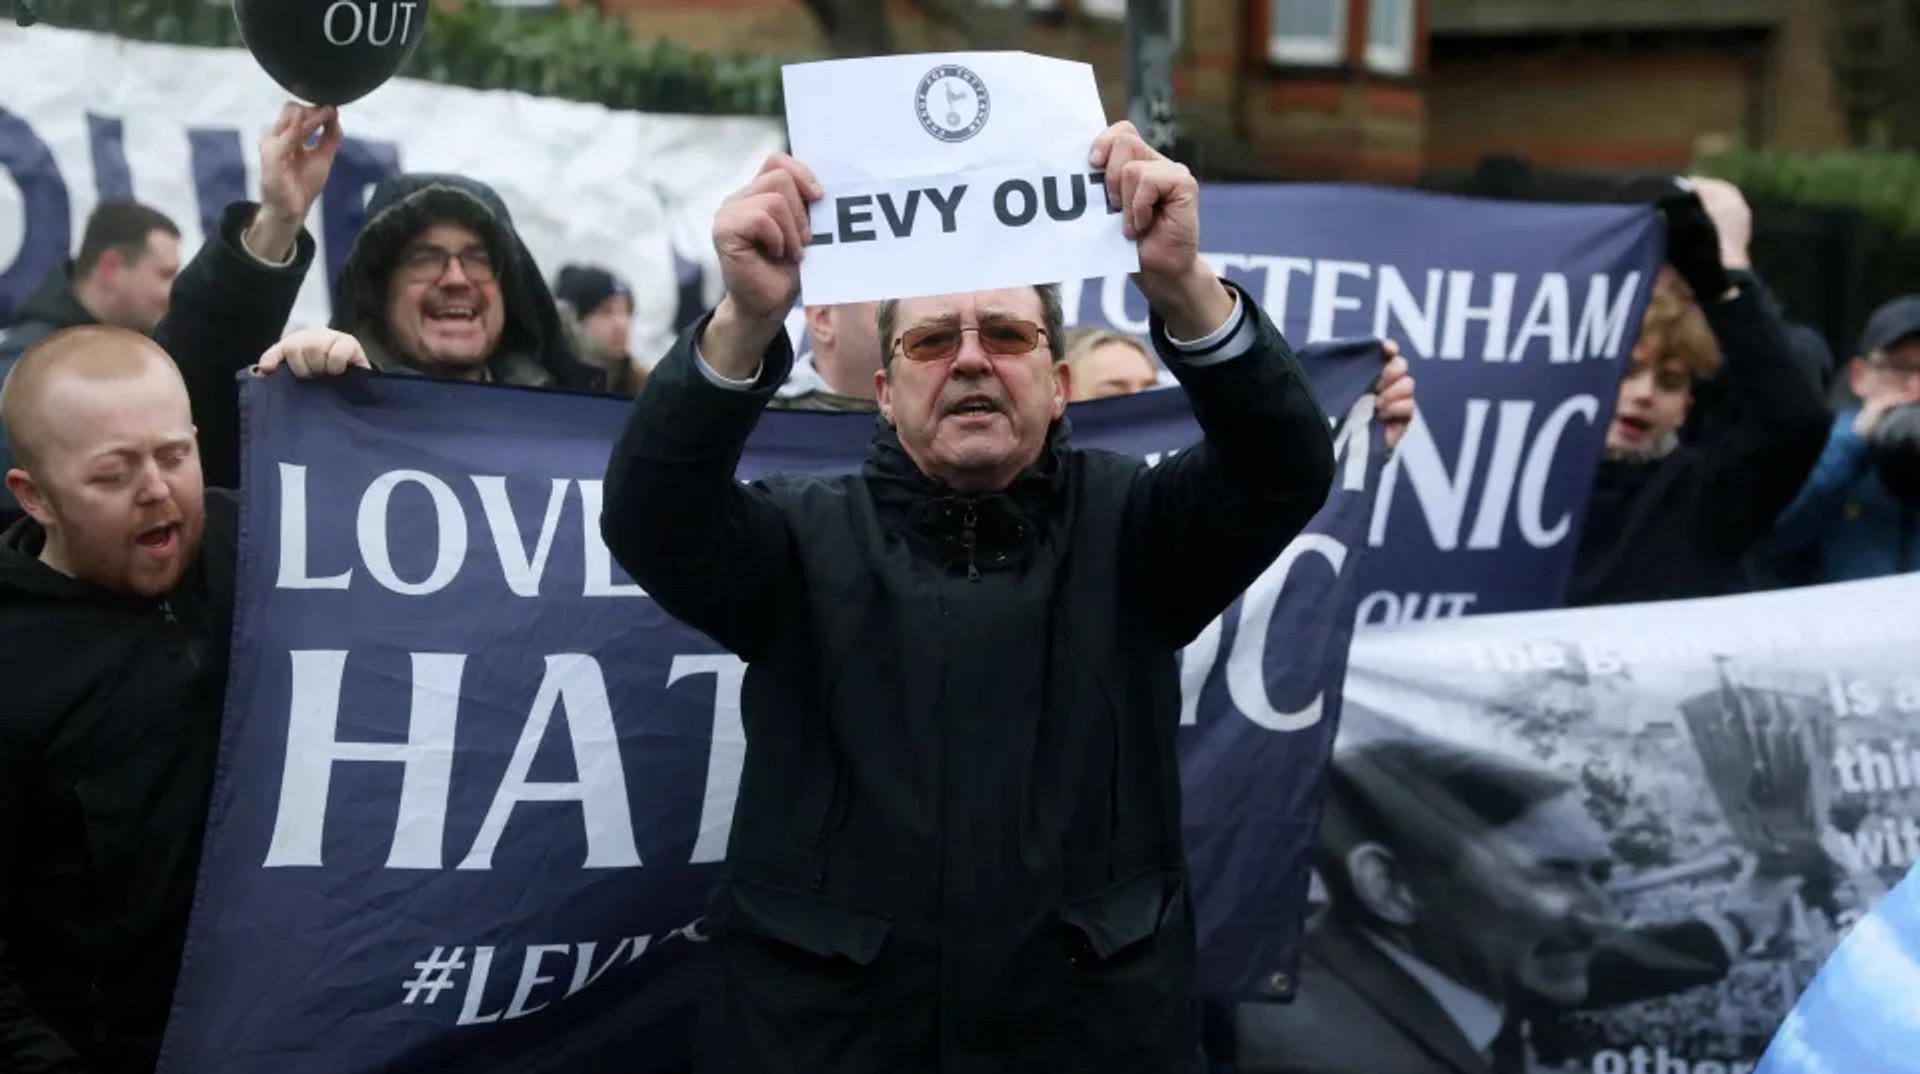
(1723, 466)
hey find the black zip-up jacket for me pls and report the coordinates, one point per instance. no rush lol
(957, 843)
(1678, 526)
(107, 744)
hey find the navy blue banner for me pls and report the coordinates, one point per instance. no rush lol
(1517, 319)
(474, 785)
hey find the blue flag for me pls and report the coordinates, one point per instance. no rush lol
(474, 784)
(1859, 1014)
(1518, 321)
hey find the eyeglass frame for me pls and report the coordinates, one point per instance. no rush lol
(491, 273)
(1041, 335)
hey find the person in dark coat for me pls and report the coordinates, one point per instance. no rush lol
(438, 282)
(1468, 904)
(957, 842)
(123, 275)
(1847, 521)
(116, 599)
(1667, 519)
(596, 307)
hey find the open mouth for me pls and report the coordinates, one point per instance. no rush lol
(974, 406)
(160, 539)
(454, 315)
(1636, 426)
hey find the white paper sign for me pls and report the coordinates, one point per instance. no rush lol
(948, 172)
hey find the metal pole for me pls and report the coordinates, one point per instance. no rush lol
(1150, 70)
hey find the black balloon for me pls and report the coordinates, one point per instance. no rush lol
(1896, 452)
(331, 51)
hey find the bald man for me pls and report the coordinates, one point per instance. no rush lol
(116, 603)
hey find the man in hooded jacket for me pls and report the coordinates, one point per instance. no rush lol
(437, 283)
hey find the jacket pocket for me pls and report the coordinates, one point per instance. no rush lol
(805, 985)
(1107, 924)
(1129, 976)
(813, 925)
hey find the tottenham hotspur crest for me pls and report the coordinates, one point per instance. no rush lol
(952, 103)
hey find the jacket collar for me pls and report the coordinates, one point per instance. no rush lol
(1396, 995)
(975, 533)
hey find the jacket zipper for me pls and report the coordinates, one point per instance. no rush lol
(166, 609)
(969, 540)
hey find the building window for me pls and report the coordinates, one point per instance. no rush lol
(1104, 9)
(1390, 36)
(1307, 31)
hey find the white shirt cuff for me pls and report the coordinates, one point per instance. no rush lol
(1234, 337)
(718, 381)
(269, 263)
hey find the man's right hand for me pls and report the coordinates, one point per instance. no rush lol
(315, 352)
(759, 233)
(292, 174)
(1877, 405)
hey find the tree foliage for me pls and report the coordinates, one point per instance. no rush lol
(577, 54)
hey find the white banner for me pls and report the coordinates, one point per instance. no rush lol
(179, 128)
(1629, 835)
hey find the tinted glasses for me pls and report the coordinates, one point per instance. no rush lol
(1003, 337)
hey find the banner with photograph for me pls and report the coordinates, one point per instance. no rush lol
(1608, 841)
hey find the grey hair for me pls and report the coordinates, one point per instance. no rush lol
(1052, 317)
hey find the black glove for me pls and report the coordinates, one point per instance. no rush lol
(1693, 247)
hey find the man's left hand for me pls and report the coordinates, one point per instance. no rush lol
(1160, 209)
(1393, 395)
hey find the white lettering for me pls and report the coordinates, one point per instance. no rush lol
(477, 990)
(727, 757)
(531, 978)
(1196, 663)
(451, 524)
(1442, 498)
(1603, 324)
(1509, 442)
(522, 571)
(599, 783)
(293, 536)
(1533, 480)
(426, 759)
(326, 25)
(1546, 319)
(1247, 667)
(1328, 302)
(1497, 313)
(599, 562)
(1395, 302)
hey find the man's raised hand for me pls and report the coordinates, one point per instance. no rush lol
(759, 234)
(1160, 209)
(292, 174)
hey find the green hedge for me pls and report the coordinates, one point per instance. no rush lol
(575, 54)
(1884, 186)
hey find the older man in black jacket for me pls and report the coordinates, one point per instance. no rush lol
(957, 845)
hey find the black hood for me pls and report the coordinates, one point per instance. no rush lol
(52, 302)
(533, 350)
(24, 578)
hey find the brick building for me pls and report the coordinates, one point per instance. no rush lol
(1641, 85)
(1322, 89)
(1389, 90)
